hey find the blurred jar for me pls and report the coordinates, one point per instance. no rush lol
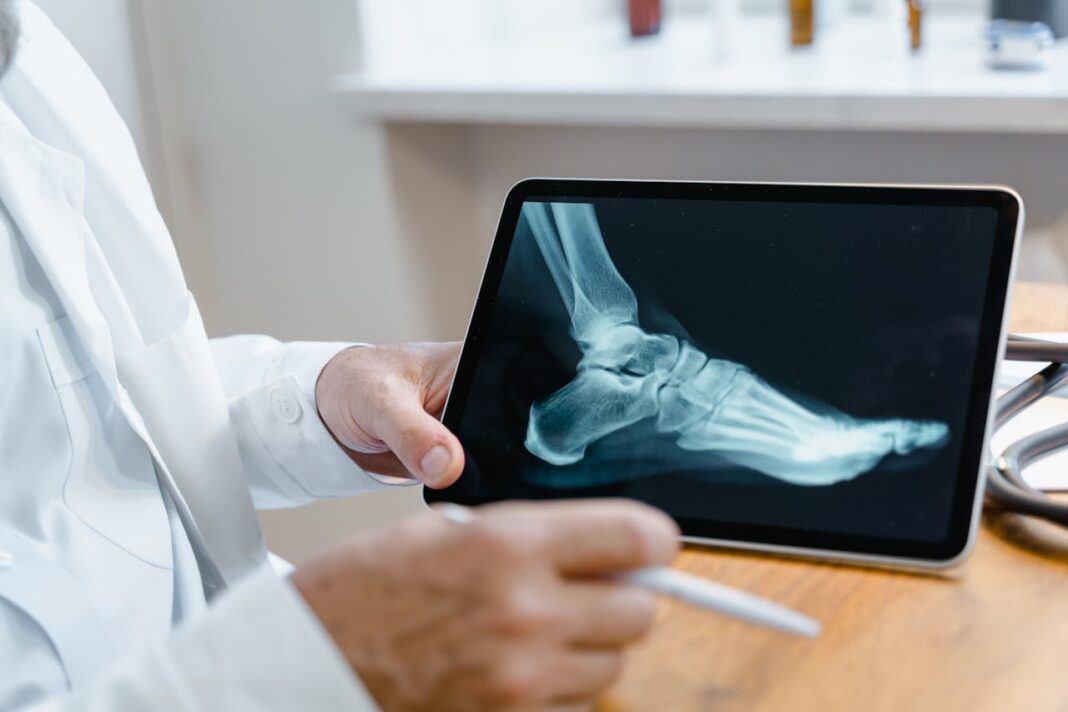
(915, 9)
(645, 17)
(802, 23)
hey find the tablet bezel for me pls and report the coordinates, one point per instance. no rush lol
(971, 475)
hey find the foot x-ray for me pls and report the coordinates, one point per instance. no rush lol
(791, 365)
(627, 374)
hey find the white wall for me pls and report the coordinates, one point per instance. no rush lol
(401, 26)
(281, 214)
(282, 205)
(103, 33)
(108, 34)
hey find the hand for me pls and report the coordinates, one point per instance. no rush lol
(382, 404)
(513, 610)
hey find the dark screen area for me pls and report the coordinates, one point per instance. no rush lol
(874, 311)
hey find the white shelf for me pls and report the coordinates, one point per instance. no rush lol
(855, 78)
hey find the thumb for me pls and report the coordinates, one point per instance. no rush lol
(423, 445)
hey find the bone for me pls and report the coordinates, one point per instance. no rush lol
(595, 404)
(596, 295)
(627, 375)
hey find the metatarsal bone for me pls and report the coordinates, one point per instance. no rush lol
(760, 428)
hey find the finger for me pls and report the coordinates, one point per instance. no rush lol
(381, 463)
(596, 537)
(423, 445)
(602, 614)
(439, 374)
(574, 675)
(583, 704)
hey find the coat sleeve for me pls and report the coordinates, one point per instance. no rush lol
(258, 648)
(290, 456)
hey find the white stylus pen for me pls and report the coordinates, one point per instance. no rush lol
(694, 590)
(716, 597)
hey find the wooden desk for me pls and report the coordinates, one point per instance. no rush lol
(992, 636)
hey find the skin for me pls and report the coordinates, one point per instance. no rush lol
(515, 610)
(510, 612)
(382, 404)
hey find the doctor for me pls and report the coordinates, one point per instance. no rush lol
(133, 451)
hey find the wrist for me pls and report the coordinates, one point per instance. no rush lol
(327, 374)
(331, 398)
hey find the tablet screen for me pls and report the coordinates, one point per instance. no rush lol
(791, 366)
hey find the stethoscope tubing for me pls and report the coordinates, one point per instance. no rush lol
(1005, 483)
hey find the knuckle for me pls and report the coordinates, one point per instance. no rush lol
(505, 541)
(410, 432)
(652, 537)
(523, 612)
(635, 538)
(642, 612)
(484, 535)
(496, 542)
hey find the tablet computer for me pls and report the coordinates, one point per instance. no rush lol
(795, 368)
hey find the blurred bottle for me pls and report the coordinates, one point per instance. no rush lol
(645, 17)
(915, 24)
(802, 23)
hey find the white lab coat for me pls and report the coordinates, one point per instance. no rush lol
(220, 423)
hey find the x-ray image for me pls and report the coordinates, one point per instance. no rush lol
(799, 365)
(627, 375)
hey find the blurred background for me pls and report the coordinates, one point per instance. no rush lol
(333, 169)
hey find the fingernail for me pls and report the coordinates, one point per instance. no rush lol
(435, 463)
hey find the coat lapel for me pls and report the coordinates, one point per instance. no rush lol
(43, 189)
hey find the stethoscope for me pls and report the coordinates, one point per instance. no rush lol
(1005, 484)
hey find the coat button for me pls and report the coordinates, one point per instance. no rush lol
(286, 407)
(7, 559)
